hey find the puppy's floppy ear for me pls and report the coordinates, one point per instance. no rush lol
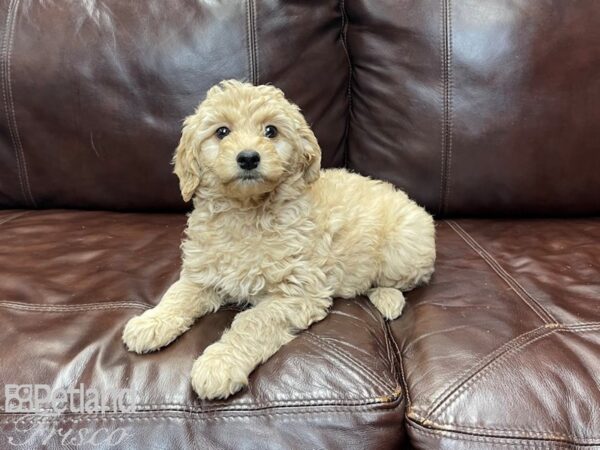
(311, 154)
(309, 147)
(184, 160)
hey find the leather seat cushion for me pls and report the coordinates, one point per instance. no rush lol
(500, 349)
(71, 280)
(503, 348)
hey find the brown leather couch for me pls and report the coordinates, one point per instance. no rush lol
(487, 112)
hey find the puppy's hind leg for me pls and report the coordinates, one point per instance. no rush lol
(389, 301)
(407, 260)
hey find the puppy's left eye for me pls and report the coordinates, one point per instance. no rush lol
(222, 132)
(270, 131)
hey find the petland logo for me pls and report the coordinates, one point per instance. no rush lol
(41, 398)
(44, 410)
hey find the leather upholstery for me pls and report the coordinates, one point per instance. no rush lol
(334, 386)
(479, 107)
(460, 103)
(116, 79)
(502, 348)
(474, 107)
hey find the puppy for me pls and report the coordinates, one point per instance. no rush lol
(271, 229)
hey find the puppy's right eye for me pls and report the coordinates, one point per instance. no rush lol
(222, 132)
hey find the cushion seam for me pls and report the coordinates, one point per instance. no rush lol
(9, 104)
(499, 440)
(510, 281)
(399, 358)
(251, 39)
(390, 353)
(65, 308)
(344, 40)
(447, 100)
(488, 359)
(250, 406)
(14, 216)
(38, 307)
(546, 331)
(320, 342)
(373, 407)
(515, 431)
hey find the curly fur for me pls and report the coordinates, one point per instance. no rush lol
(285, 243)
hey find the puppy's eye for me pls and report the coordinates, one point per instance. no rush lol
(270, 131)
(222, 132)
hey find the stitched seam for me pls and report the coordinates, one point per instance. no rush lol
(584, 326)
(13, 217)
(375, 407)
(401, 365)
(250, 406)
(510, 432)
(10, 105)
(446, 100)
(470, 372)
(389, 353)
(498, 441)
(514, 280)
(336, 351)
(516, 287)
(344, 40)
(388, 348)
(251, 36)
(37, 307)
(450, 74)
(324, 344)
(62, 308)
(248, 42)
(256, 58)
(502, 273)
(484, 372)
(5, 45)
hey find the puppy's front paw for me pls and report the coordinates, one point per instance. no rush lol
(217, 376)
(151, 331)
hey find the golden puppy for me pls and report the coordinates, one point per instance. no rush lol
(271, 229)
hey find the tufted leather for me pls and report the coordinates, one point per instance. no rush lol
(478, 108)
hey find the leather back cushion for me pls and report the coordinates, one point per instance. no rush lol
(94, 93)
(474, 107)
(479, 107)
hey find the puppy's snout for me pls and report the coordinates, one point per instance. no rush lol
(248, 159)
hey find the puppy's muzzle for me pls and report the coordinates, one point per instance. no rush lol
(248, 159)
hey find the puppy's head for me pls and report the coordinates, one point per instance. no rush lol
(243, 141)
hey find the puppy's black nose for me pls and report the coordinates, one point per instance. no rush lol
(248, 159)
